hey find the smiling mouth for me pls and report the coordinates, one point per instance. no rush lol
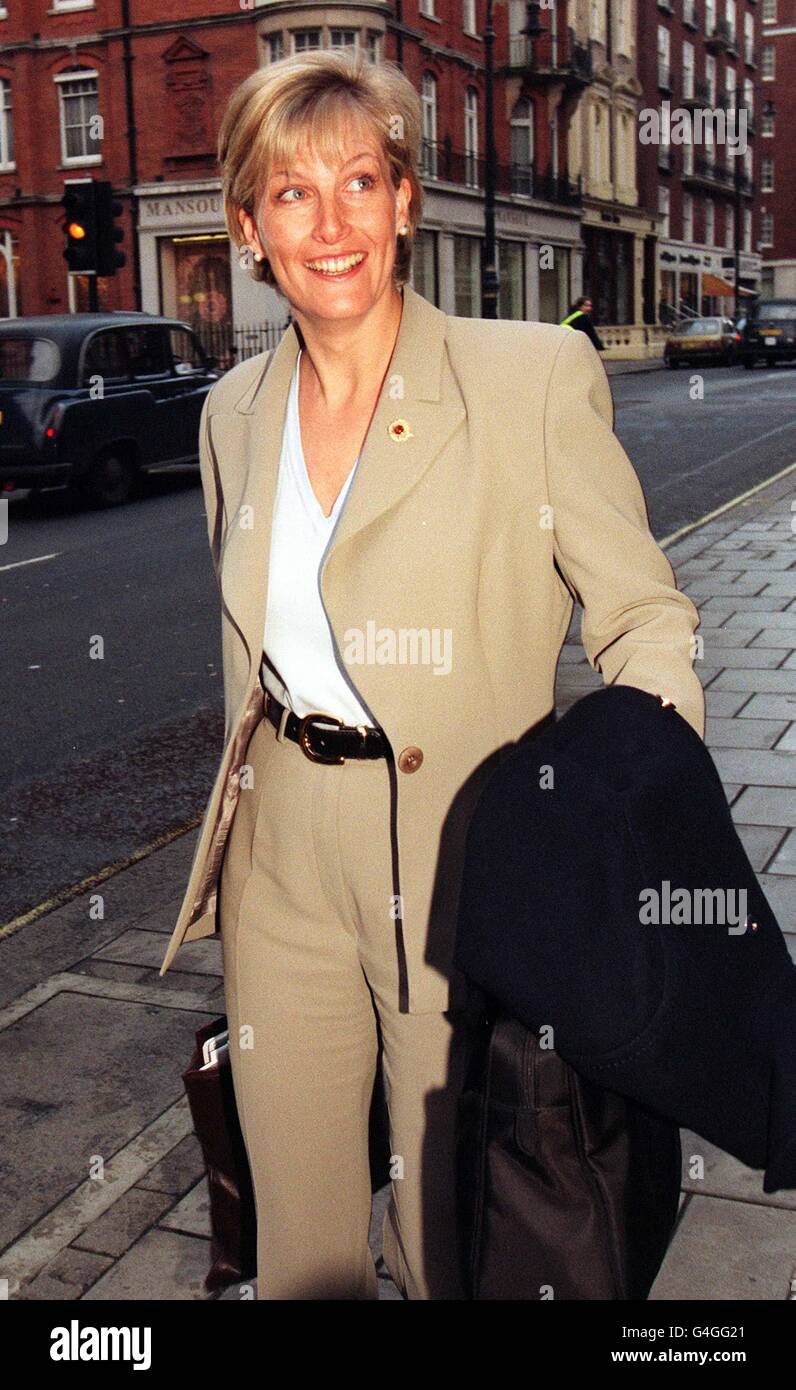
(335, 266)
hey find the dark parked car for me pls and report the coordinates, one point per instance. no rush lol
(770, 333)
(95, 400)
(710, 339)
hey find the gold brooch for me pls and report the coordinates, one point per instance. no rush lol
(399, 430)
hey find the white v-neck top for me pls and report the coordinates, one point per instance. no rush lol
(300, 665)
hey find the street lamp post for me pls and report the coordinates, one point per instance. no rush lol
(737, 187)
(489, 276)
(489, 280)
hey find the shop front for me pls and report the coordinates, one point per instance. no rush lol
(190, 270)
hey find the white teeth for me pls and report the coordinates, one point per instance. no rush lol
(337, 264)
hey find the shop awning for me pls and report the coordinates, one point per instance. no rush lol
(716, 288)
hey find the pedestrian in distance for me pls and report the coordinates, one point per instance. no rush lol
(579, 318)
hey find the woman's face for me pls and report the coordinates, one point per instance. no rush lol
(313, 214)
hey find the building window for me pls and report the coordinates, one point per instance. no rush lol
(710, 78)
(305, 39)
(688, 157)
(769, 11)
(6, 126)
(749, 37)
(469, 16)
(767, 175)
(79, 109)
(688, 217)
(467, 276)
(767, 229)
(729, 88)
(428, 101)
(522, 146)
(710, 16)
(749, 96)
(663, 56)
(688, 70)
(767, 122)
(273, 43)
(729, 226)
(747, 229)
(374, 46)
(596, 28)
(597, 144)
(554, 291)
(343, 38)
(729, 16)
(663, 209)
(511, 279)
(471, 137)
(768, 62)
(427, 8)
(622, 28)
(424, 265)
(710, 222)
(689, 13)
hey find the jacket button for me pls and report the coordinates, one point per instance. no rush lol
(410, 759)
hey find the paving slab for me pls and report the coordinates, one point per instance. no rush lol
(727, 1249)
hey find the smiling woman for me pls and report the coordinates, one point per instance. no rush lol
(388, 469)
(310, 101)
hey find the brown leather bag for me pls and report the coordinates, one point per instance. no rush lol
(233, 1214)
(564, 1190)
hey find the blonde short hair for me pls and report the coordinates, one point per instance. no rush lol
(304, 98)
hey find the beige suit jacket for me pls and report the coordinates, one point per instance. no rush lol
(499, 497)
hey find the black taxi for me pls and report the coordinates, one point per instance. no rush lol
(95, 400)
(769, 334)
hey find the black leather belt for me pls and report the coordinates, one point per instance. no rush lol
(324, 745)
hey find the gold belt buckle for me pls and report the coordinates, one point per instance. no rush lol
(304, 723)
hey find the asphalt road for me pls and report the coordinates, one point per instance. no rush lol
(102, 756)
(693, 455)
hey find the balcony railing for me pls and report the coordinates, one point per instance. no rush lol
(707, 173)
(721, 38)
(441, 161)
(551, 56)
(700, 94)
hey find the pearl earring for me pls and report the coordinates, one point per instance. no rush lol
(404, 230)
(258, 255)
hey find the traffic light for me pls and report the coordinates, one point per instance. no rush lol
(109, 234)
(80, 226)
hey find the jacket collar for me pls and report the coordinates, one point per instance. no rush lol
(391, 461)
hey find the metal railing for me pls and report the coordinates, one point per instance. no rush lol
(440, 161)
(229, 345)
(556, 54)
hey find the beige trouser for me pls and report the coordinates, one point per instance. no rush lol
(311, 972)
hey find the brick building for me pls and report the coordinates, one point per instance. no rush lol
(778, 147)
(701, 56)
(120, 90)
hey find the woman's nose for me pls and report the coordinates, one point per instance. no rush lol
(331, 221)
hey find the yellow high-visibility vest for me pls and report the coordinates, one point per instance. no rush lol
(567, 322)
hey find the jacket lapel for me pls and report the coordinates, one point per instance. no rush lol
(411, 423)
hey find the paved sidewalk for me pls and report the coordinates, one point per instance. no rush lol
(95, 1040)
(627, 367)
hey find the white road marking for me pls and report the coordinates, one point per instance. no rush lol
(36, 560)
